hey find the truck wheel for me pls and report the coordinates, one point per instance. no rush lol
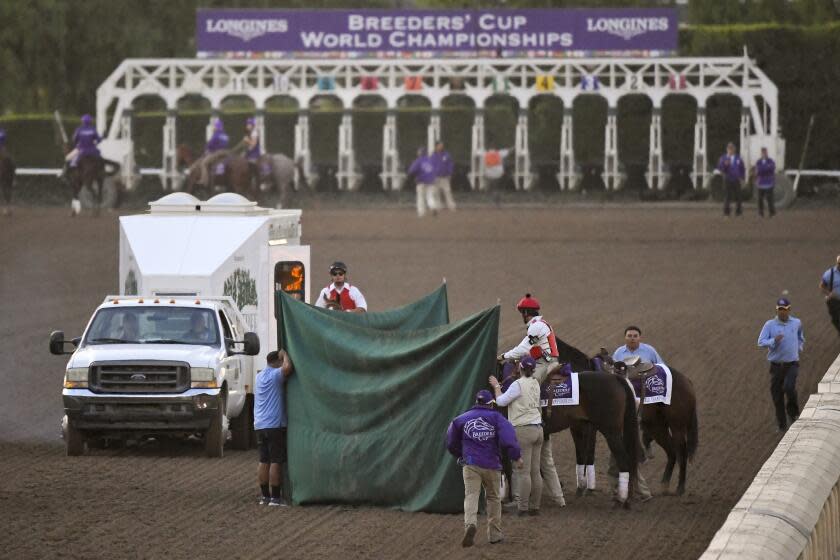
(214, 439)
(75, 441)
(242, 425)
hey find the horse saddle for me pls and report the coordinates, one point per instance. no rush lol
(636, 367)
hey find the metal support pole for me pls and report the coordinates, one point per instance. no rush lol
(700, 171)
(302, 152)
(170, 178)
(392, 176)
(566, 172)
(125, 135)
(259, 123)
(477, 156)
(746, 130)
(346, 174)
(655, 173)
(611, 178)
(522, 157)
(433, 132)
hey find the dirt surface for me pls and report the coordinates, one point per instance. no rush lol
(699, 285)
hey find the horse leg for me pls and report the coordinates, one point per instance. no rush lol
(678, 436)
(589, 457)
(579, 437)
(97, 184)
(616, 444)
(662, 435)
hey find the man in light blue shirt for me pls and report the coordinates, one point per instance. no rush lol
(635, 347)
(830, 286)
(783, 338)
(270, 425)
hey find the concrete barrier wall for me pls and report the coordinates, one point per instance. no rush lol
(792, 508)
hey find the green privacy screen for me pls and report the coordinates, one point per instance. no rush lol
(368, 408)
(429, 311)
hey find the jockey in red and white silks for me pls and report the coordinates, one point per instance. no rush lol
(349, 297)
(539, 342)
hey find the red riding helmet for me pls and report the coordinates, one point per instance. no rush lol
(528, 302)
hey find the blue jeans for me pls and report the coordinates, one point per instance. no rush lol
(783, 384)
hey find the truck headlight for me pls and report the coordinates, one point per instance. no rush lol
(203, 378)
(76, 378)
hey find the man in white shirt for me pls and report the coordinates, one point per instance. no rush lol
(341, 293)
(523, 401)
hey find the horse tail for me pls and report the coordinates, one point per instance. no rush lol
(631, 427)
(301, 173)
(693, 438)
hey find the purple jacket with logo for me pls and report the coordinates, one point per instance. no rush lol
(443, 164)
(424, 170)
(479, 435)
(85, 138)
(732, 167)
(765, 171)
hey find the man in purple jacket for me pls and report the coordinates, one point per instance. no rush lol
(443, 170)
(477, 438)
(425, 174)
(731, 166)
(765, 179)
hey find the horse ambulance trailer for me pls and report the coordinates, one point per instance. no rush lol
(186, 267)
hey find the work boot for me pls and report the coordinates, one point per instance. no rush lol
(469, 536)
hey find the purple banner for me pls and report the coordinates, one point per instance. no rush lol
(284, 33)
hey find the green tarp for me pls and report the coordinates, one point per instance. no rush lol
(368, 408)
(429, 311)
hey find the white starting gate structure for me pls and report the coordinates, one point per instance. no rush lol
(435, 79)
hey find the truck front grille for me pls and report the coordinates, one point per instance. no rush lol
(127, 377)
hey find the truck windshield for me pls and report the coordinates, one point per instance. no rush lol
(153, 325)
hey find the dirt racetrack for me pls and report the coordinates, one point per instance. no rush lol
(699, 285)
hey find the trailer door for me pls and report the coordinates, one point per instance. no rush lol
(289, 273)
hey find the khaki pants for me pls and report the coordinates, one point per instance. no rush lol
(527, 482)
(550, 480)
(445, 188)
(427, 197)
(474, 479)
(641, 488)
(542, 368)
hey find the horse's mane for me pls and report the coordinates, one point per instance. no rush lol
(571, 355)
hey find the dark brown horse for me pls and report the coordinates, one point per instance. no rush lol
(90, 172)
(235, 175)
(7, 180)
(606, 405)
(673, 426)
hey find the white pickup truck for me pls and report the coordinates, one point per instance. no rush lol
(177, 351)
(149, 366)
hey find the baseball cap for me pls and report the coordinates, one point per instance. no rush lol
(484, 397)
(783, 303)
(527, 362)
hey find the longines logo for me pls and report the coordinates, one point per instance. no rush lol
(247, 29)
(627, 28)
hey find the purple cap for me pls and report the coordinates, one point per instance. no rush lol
(87, 119)
(251, 121)
(484, 397)
(219, 125)
(783, 303)
(527, 362)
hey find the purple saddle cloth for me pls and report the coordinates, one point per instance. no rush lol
(656, 385)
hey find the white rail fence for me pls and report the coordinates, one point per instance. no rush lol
(792, 508)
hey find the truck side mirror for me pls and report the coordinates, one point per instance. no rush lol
(57, 343)
(252, 344)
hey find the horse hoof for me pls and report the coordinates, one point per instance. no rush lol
(579, 492)
(680, 491)
(627, 504)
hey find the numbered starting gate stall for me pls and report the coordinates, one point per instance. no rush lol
(435, 79)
